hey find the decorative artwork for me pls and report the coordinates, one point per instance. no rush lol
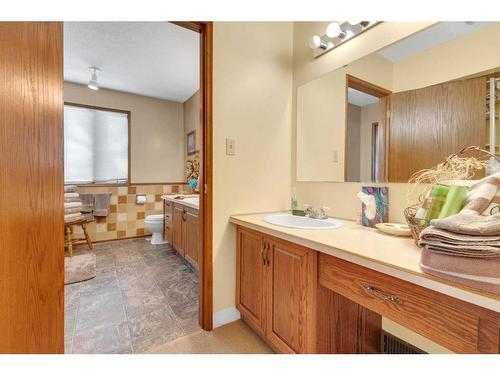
(381, 196)
(191, 143)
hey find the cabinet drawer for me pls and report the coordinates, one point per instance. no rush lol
(457, 325)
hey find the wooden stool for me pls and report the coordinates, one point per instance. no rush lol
(70, 241)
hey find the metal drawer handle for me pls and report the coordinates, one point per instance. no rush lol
(379, 294)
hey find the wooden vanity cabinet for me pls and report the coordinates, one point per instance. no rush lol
(276, 290)
(184, 232)
(167, 220)
(190, 236)
(177, 221)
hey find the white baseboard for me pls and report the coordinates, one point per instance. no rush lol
(225, 316)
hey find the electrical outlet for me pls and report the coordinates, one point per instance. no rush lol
(230, 147)
(335, 156)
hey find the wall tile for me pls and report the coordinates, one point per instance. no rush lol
(126, 219)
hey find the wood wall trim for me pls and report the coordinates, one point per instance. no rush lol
(206, 178)
(31, 188)
(366, 87)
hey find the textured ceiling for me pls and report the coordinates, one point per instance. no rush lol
(156, 59)
(434, 35)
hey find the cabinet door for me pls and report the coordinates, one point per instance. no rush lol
(191, 236)
(167, 219)
(178, 213)
(291, 277)
(250, 278)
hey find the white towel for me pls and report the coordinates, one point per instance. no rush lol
(70, 216)
(72, 204)
(71, 195)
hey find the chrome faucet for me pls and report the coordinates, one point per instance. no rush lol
(316, 213)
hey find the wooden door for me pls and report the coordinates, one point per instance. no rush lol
(250, 278)
(291, 295)
(191, 239)
(31, 188)
(177, 224)
(427, 125)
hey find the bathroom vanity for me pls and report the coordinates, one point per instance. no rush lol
(325, 291)
(181, 226)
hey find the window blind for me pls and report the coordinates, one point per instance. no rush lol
(95, 146)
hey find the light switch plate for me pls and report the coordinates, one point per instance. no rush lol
(335, 156)
(230, 147)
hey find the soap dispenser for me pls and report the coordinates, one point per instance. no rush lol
(295, 204)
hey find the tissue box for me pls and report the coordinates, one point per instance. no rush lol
(381, 195)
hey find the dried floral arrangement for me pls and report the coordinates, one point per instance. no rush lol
(456, 167)
(192, 169)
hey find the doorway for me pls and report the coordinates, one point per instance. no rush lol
(164, 301)
(366, 131)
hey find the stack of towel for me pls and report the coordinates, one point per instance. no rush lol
(465, 248)
(96, 204)
(72, 204)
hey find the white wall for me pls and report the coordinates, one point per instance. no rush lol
(252, 105)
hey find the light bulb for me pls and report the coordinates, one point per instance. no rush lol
(333, 30)
(315, 42)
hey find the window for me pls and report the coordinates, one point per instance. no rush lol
(95, 145)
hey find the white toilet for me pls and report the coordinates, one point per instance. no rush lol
(154, 223)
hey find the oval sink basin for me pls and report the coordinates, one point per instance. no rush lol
(300, 222)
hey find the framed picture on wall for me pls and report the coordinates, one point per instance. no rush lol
(191, 143)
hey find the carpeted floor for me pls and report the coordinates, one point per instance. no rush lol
(233, 338)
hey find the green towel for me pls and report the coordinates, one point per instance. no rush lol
(454, 201)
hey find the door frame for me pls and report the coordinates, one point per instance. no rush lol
(371, 89)
(205, 226)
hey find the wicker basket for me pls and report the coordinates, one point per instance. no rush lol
(416, 225)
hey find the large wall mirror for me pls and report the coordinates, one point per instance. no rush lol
(403, 108)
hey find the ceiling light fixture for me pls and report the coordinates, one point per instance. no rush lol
(93, 83)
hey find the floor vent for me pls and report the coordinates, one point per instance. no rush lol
(394, 345)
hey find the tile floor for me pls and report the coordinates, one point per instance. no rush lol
(143, 296)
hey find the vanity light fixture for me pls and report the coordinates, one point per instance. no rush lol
(317, 42)
(338, 33)
(93, 82)
(335, 31)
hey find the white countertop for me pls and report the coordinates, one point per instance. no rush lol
(368, 247)
(171, 198)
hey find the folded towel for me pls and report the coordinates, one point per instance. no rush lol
(470, 223)
(101, 204)
(73, 210)
(70, 188)
(444, 242)
(87, 202)
(72, 204)
(71, 195)
(71, 219)
(71, 216)
(476, 273)
(484, 196)
(75, 199)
